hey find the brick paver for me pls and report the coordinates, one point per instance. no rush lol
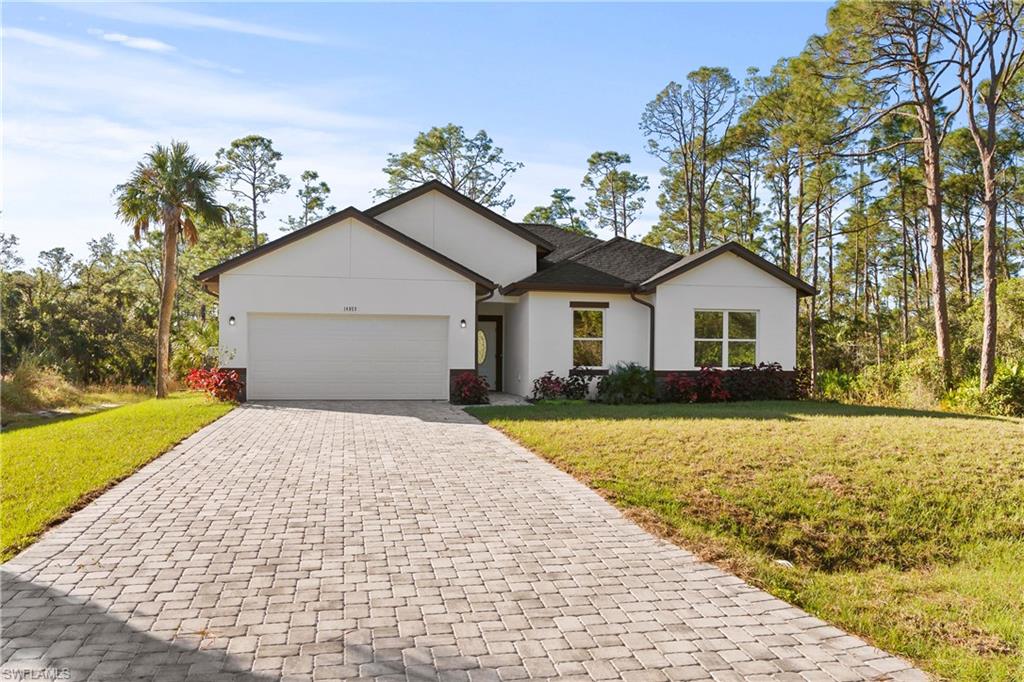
(334, 541)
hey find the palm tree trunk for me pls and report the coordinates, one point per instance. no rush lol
(168, 287)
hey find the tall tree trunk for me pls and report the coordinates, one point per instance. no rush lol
(933, 199)
(812, 331)
(787, 210)
(255, 228)
(905, 296)
(988, 270)
(168, 287)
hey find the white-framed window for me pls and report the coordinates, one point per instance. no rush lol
(724, 338)
(587, 337)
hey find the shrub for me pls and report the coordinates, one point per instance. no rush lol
(470, 389)
(553, 387)
(709, 386)
(222, 384)
(679, 388)
(1005, 395)
(627, 383)
(765, 381)
(548, 386)
(34, 386)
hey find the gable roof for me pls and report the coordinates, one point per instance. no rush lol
(620, 265)
(542, 244)
(693, 260)
(212, 274)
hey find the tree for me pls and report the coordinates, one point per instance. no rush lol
(250, 166)
(685, 128)
(616, 199)
(472, 166)
(9, 258)
(174, 189)
(313, 194)
(892, 56)
(561, 211)
(986, 40)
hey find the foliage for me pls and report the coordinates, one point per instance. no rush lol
(561, 212)
(679, 388)
(552, 387)
(627, 383)
(616, 198)
(764, 381)
(710, 387)
(1005, 396)
(33, 386)
(472, 166)
(470, 388)
(52, 468)
(313, 194)
(904, 527)
(223, 384)
(249, 164)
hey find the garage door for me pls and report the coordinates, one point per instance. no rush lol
(341, 357)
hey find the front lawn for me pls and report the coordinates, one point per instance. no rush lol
(51, 469)
(904, 527)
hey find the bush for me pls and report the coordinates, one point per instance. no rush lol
(222, 384)
(33, 386)
(553, 387)
(1005, 396)
(679, 388)
(627, 383)
(470, 389)
(709, 386)
(765, 381)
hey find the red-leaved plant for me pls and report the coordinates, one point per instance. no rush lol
(709, 386)
(679, 388)
(222, 384)
(470, 389)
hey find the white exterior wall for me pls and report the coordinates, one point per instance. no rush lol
(726, 282)
(340, 267)
(626, 327)
(465, 236)
(517, 348)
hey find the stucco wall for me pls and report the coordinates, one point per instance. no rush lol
(626, 325)
(725, 283)
(344, 266)
(464, 236)
(517, 347)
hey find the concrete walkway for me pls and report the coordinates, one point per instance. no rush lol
(387, 540)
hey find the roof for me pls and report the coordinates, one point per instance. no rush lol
(622, 265)
(212, 274)
(693, 260)
(566, 242)
(542, 244)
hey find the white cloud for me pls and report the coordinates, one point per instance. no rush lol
(172, 17)
(49, 42)
(134, 42)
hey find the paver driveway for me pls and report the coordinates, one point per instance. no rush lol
(390, 540)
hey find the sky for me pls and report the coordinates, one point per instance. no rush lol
(89, 88)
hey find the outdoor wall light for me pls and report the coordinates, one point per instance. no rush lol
(462, 323)
(231, 320)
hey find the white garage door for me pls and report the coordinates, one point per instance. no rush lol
(339, 357)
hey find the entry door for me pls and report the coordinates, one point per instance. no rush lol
(488, 350)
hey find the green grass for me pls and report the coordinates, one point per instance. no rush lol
(905, 527)
(51, 469)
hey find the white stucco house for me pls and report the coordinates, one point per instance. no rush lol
(395, 300)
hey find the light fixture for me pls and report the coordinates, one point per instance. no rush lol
(231, 320)
(462, 323)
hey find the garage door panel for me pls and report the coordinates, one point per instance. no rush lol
(339, 357)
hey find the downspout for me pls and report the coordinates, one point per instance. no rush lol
(650, 306)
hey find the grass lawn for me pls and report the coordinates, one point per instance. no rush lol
(904, 527)
(50, 469)
(92, 399)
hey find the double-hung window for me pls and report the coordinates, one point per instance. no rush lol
(587, 337)
(724, 338)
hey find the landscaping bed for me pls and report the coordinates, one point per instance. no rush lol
(902, 526)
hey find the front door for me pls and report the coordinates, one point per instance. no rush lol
(488, 349)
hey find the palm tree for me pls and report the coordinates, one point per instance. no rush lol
(173, 188)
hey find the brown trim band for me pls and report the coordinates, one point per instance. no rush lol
(587, 372)
(588, 304)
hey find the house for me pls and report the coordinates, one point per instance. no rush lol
(394, 301)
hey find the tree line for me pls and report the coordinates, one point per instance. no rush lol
(881, 165)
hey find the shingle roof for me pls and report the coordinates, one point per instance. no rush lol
(567, 243)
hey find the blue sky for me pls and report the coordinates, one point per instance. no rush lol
(89, 88)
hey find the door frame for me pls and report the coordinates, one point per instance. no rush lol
(499, 350)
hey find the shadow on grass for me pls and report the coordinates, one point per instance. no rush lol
(782, 410)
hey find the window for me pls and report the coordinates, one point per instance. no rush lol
(587, 337)
(724, 338)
